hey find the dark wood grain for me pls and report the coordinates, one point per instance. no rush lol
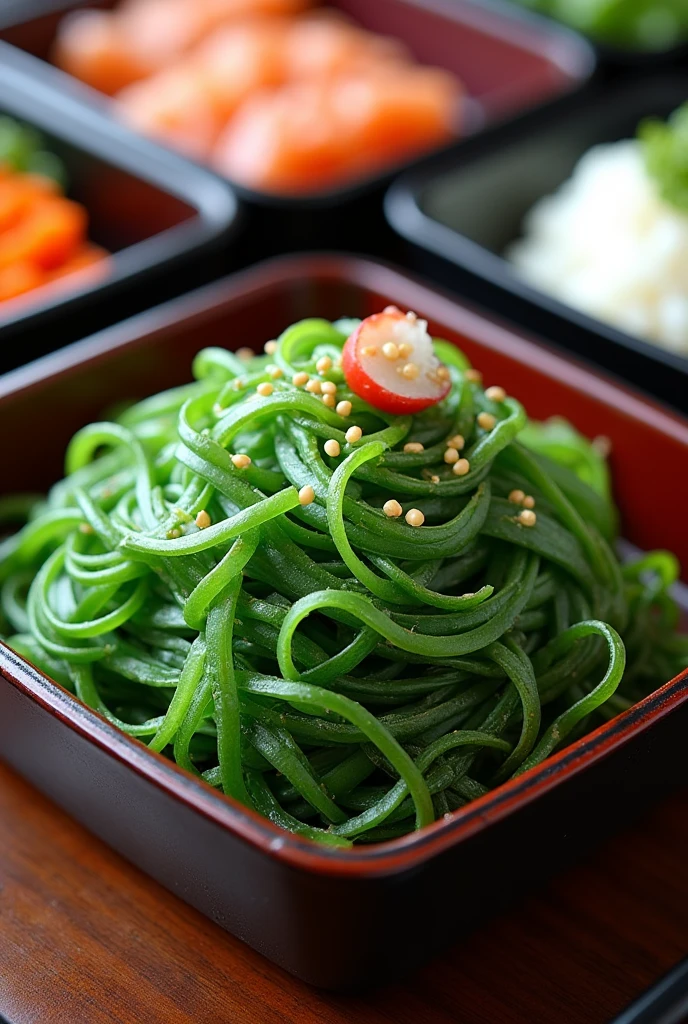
(87, 939)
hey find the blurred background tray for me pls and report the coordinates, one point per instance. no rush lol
(164, 219)
(459, 212)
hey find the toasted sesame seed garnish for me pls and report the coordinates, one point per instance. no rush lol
(461, 467)
(299, 379)
(391, 309)
(602, 445)
(368, 350)
(353, 434)
(527, 518)
(450, 456)
(414, 517)
(411, 316)
(486, 420)
(442, 373)
(390, 350)
(328, 400)
(238, 384)
(275, 372)
(332, 447)
(328, 387)
(434, 479)
(405, 350)
(218, 409)
(495, 393)
(458, 441)
(344, 407)
(270, 347)
(244, 353)
(517, 496)
(265, 389)
(306, 495)
(86, 528)
(314, 386)
(174, 533)
(323, 364)
(241, 461)
(410, 371)
(528, 501)
(475, 376)
(392, 508)
(413, 447)
(203, 520)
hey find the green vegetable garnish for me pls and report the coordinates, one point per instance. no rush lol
(266, 624)
(23, 149)
(631, 24)
(665, 148)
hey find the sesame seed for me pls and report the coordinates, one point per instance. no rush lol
(323, 364)
(475, 376)
(414, 517)
(495, 394)
(203, 520)
(410, 371)
(86, 528)
(457, 441)
(405, 350)
(332, 448)
(434, 479)
(241, 461)
(299, 379)
(306, 495)
(391, 309)
(390, 350)
(368, 350)
(528, 501)
(328, 387)
(411, 316)
(442, 373)
(174, 533)
(270, 347)
(313, 386)
(527, 518)
(450, 456)
(486, 420)
(353, 434)
(245, 353)
(218, 409)
(329, 401)
(461, 467)
(275, 372)
(265, 389)
(516, 496)
(344, 408)
(238, 384)
(413, 447)
(392, 508)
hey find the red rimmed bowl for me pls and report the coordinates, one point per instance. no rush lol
(339, 919)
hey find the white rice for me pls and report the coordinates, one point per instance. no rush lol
(607, 244)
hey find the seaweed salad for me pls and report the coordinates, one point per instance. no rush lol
(343, 581)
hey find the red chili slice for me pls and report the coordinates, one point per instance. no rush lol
(389, 361)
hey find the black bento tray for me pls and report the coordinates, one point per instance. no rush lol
(461, 211)
(509, 60)
(163, 219)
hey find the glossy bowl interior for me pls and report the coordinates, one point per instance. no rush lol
(461, 212)
(153, 215)
(507, 59)
(267, 886)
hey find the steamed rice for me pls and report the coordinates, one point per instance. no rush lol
(609, 245)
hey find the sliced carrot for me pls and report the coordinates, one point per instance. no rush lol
(47, 236)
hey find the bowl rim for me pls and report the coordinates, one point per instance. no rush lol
(406, 853)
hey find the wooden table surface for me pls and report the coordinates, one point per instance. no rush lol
(87, 939)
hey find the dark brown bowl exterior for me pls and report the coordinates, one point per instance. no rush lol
(162, 219)
(338, 919)
(508, 59)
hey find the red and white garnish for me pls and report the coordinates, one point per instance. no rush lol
(389, 361)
